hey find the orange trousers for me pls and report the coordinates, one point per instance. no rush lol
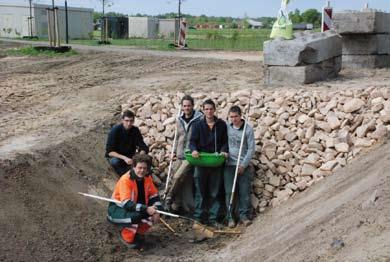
(128, 233)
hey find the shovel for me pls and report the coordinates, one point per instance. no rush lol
(201, 232)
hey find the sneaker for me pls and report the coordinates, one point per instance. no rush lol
(231, 224)
(246, 222)
(196, 225)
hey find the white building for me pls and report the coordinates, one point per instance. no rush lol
(144, 27)
(168, 27)
(14, 21)
(254, 24)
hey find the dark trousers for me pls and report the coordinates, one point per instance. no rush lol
(207, 183)
(243, 186)
(119, 165)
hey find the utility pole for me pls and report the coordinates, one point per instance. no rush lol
(103, 2)
(179, 9)
(66, 23)
(31, 29)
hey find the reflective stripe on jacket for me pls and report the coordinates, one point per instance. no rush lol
(126, 191)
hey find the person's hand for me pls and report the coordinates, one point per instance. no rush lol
(156, 218)
(128, 161)
(225, 154)
(151, 210)
(241, 170)
(172, 156)
(195, 154)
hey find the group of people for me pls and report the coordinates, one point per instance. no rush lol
(197, 132)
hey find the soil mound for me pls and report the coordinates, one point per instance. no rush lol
(343, 218)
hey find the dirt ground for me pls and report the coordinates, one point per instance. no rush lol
(54, 117)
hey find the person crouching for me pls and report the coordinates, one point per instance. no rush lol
(139, 201)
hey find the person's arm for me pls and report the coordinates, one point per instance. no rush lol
(251, 147)
(142, 147)
(194, 138)
(154, 202)
(112, 145)
(124, 195)
(224, 138)
(128, 160)
(176, 144)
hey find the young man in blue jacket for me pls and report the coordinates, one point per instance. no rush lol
(208, 135)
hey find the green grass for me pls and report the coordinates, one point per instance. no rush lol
(212, 39)
(156, 44)
(30, 51)
(228, 39)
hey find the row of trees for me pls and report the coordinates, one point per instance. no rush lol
(308, 16)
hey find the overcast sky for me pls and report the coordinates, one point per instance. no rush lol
(234, 8)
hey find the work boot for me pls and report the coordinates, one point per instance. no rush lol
(197, 225)
(133, 245)
(245, 222)
(216, 225)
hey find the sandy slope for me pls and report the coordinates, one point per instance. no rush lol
(337, 208)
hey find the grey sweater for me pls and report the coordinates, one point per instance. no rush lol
(184, 132)
(248, 147)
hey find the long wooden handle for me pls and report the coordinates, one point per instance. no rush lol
(167, 225)
(171, 158)
(239, 154)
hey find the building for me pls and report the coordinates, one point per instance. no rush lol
(303, 26)
(168, 27)
(118, 27)
(254, 24)
(143, 27)
(14, 21)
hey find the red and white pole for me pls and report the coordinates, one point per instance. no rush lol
(182, 33)
(327, 23)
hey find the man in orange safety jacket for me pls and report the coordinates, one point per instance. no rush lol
(139, 201)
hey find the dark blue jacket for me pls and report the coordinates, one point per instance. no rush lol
(205, 140)
(125, 142)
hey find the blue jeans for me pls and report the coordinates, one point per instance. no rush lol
(119, 165)
(243, 185)
(207, 183)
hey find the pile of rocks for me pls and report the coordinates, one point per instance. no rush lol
(365, 37)
(301, 136)
(308, 58)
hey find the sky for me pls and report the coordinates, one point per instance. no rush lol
(234, 8)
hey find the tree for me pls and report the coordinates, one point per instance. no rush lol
(295, 16)
(312, 16)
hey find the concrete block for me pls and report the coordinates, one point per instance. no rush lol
(354, 22)
(286, 75)
(306, 48)
(359, 44)
(366, 61)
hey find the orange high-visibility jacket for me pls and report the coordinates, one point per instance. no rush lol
(126, 191)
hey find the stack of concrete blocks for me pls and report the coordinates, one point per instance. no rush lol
(308, 58)
(365, 37)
